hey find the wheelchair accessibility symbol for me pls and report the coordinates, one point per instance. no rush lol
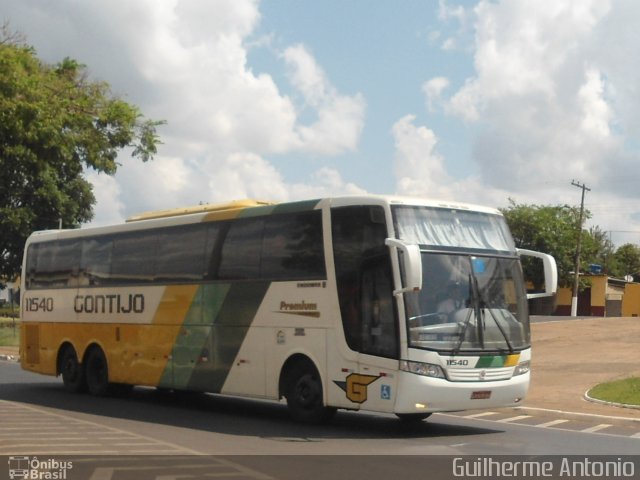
(385, 392)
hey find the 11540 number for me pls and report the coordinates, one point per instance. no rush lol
(39, 304)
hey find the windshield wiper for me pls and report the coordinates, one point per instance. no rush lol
(502, 332)
(482, 306)
(479, 306)
(467, 321)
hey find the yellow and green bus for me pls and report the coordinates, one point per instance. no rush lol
(379, 303)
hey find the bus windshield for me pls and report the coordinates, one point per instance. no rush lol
(468, 303)
(473, 297)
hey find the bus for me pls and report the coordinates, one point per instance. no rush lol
(386, 304)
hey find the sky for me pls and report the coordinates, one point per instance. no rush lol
(471, 101)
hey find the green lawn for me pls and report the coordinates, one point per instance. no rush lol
(9, 336)
(625, 391)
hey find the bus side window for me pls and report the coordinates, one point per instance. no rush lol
(241, 251)
(95, 264)
(134, 257)
(379, 328)
(181, 254)
(57, 264)
(32, 256)
(358, 233)
(292, 247)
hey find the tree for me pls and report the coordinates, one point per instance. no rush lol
(553, 229)
(627, 261)
(55, 123)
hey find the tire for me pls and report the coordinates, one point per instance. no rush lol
(304, 395)
(413, 417)
(97, 372)
(72, 371)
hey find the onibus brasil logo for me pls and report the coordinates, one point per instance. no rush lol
(31, 468)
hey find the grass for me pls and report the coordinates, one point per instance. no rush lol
(625, 391)
(9, 332)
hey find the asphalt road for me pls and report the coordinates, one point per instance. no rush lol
(165, 436)
(39, 418)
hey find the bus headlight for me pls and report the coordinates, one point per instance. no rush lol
(419, 368)
(522, 368)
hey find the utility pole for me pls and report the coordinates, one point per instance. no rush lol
(576, 281)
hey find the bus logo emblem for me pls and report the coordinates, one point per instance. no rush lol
(356, 385)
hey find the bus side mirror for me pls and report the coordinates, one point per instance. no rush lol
(412, 264)
(550, 272)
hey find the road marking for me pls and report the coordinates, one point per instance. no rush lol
(552, 423)
(221, 468)
(596, 428)
(76, 430)
(513, 419)
(478, 415)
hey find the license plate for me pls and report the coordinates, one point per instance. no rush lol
(481, 395)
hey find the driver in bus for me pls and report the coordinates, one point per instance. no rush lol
(453, 299)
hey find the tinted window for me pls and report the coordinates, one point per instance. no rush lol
(66, 262)
(292, 247)
(278, 247)
(134, 257)
(95, 265)
(53, 264)
(32, 256)
(181, 254)
(241, 251)
(359, 252)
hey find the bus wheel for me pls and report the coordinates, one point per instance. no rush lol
(412, 417)
(304, 395)
(72, 371)
(97, 372)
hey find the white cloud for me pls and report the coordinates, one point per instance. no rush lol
(419, 168)
(325, 182)
(247, 175)
(448, 12)
(108, 209)
(340, 117)
(421, 171)
(554, 97)
(433, 91)
(186, 62)
(537, 92)
(596, 113)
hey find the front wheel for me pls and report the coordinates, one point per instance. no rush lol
(97, 372)
(413, 417)
(304, 396)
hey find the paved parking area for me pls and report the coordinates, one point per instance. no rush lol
(43, 432)
(605, 425)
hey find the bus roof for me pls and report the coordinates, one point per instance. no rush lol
(244, 208)
(204, 208)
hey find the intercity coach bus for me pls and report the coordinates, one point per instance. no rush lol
(386, 304)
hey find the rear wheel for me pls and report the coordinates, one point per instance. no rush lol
(97, 372)
(72, 371)
(304, 395)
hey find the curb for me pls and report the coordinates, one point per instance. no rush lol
(611, 404)
(10, 358)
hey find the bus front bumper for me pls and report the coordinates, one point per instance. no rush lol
(418, 394)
